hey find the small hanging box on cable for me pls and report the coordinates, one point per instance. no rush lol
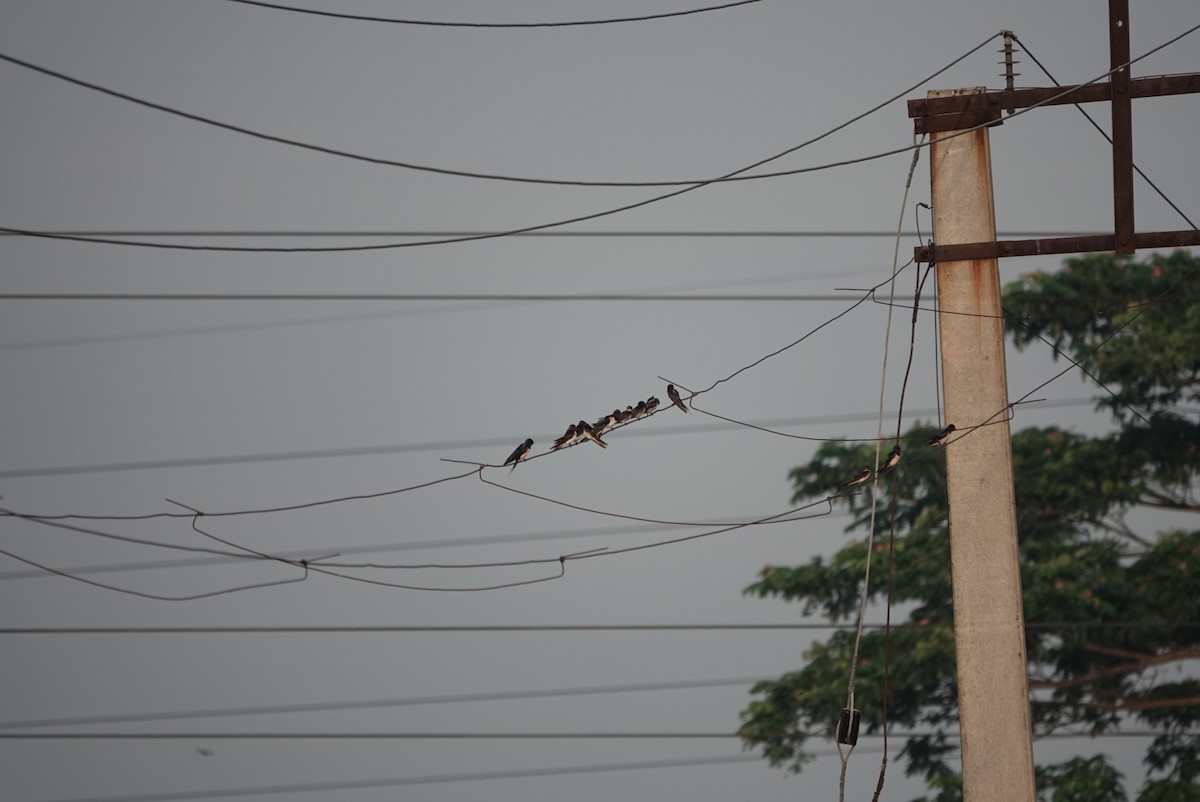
(847, 726)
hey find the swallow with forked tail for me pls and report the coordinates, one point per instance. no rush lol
(584, 431)
(673, 394)
(863, 475)
(941, 437)
(891, 460)
(521, 452)
(567, 439)
(607, 422)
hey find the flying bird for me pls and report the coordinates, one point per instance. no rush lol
(567, 439)
(584, 431)
(940, 438)
(673, 394)
(891, 460)
(521, 452)
(863, 475)
(651, 404)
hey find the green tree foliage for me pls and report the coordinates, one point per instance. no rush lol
(1123, 604)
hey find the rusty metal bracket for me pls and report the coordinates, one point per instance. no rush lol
(1154, 86)
(958, 120)
(959, 111)
(1122, 125)
(1037, 247)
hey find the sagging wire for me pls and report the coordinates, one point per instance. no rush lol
(234, 513)
(493, 25)
(311, 565)
(154, 596)
(583, 218)
(848, 722)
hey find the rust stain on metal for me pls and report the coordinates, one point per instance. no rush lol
(1036, 247)
(1156, 86)
(979, 274)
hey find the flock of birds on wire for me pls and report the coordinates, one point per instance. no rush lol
(865, 473)
(590, 432)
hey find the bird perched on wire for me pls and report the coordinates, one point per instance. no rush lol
(607, 422)
(673, 394)
(584, 431)
(941, 437)
(567, 439)
(640, 409)
(863, 475)
(891, 460)
(651, 404)
(521, 452)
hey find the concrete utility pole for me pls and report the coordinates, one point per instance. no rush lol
(997, 753)
(989, 627)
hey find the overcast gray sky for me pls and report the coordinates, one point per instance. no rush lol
(112, 406)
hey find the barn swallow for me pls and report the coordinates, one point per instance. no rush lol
(673, 394)
(640, 409)
(585, 432)
(940, 438)
(607, 422)
(651, 404)
(863, 475)
(891, 460)
(521, 452)
(567, 439)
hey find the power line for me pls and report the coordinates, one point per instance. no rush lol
(537, 227)
(380, 233)
(314, 564)
(561, 559)
(359, 736)
(371, 704)
(440, 543)
(298, 788)
(378, 703)
(370, 629)
(440, 297)
(347, 317)
(156, 596)
(482, 736)
(384, 629)
(389, 314)
(493, 25)
(442, 445)
(262, 790)
(736, 175)
(691, 185)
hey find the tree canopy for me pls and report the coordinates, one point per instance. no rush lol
(1108, 607)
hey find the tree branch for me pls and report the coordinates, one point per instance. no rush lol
(1121, 529)
(1115, 652)
(1167, 501)
(1143, 704)
(1125, 668)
